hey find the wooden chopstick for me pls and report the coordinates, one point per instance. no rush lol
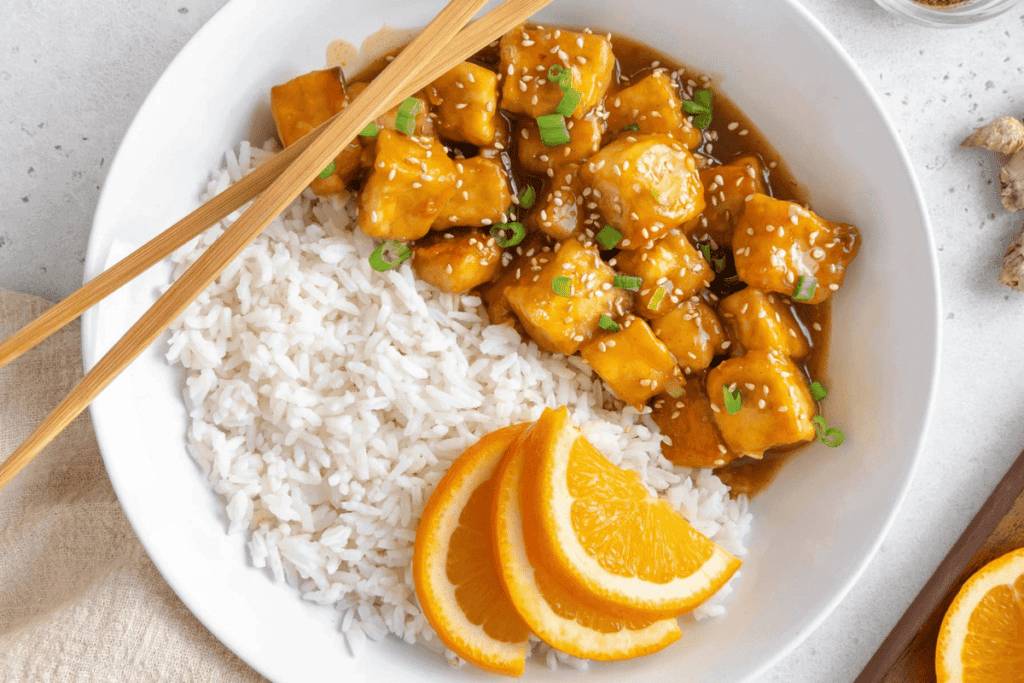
(469, 40)
(281, 192)
(945, 577)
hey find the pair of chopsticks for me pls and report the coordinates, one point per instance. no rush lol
(273, 186)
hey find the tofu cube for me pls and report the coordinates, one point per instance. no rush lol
(672, 261)
(302, 104)
(692, 333)
(526, 55)
(481, 195)
(558, 211)
(653, 104)
(758, 320)
(425, 122)
(537, 158)
(775, 242)
(456, 262)
(725, 189)
(633, 362)
(530, 256)
(690, 424)
(466, 103)
(776, 406)
(406, 189)
(500, 147)
(644, 185)
(561, 323)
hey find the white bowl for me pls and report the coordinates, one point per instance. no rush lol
(817, 525)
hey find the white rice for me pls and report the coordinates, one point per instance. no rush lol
(327, 400)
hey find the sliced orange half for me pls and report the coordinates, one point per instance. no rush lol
(609, 540)
(457, 581)
(982, 635)
(554, 615)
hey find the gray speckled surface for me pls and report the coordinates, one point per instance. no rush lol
(72, 76)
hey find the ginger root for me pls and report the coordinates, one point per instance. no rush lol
(1012, 274)
(1011, 182)
(1004, 135)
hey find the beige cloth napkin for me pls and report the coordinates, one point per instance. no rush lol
(80, 601)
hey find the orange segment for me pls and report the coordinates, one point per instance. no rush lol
(608, 539)
(982, 635)
(552, 612)
(457, 581)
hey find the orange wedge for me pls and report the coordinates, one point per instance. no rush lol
(982, 634)
(606, 538)
(547, 608)
(457, 581)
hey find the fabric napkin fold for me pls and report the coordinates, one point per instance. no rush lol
(80, 601)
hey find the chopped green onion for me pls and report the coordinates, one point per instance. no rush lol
(719, 264)
(634, 127)
(830, 436)
(818, 391)
(656, 195)
(656, 300)
(732, 400)
(674, 388)
(552, 129)
(811, 285)
(511, 211)
(370, 131)
(527, 197)
(700, 108)
(565, 80)
(630, 282)
(607, 323)
(570, 100)
(555, 72)
(706, 250)
(732, 278)
(396, 254)
(562, 285)
(518, 234)
(405, 119)
(326, 173)
(608, 237)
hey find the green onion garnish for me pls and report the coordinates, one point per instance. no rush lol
(706, 250)
(570, 100)
(732, 400)
(552, 129)
(818, 391)
(811, 284)
(732, 278)
(405, 119)
(656, 194)
(700, 107)
(656, 300)
(630, 282)
(370, 131)
(527, 197)
(562, 285)
(555, 72)
(719, 264)
(830, 436)
(606, 322)
(673, 388)
(326, 173)
(608, 237)
(633, 127)
(396, 254)
(518, 234)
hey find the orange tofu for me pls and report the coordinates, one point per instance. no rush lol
(481, 195)
(758, 320)
(692, 333)
(725, 189)
(528, 257)
(672, 263)
(456, 262)
(558, 210)
(466, 102)
(689, 423)
(536, 157)
(653, 104)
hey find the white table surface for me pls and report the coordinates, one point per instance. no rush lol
(73, 74)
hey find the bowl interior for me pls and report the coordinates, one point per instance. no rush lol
(816, 526)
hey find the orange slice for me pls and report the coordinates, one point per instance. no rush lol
(609, 540)
(547, 608)
(982, 634)
(457, 581)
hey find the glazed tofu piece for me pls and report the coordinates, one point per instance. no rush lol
(500, 146)
(536, 157)
(653, 104)
(561, 323)
(758, 320)
(526, 54)
(633, 362)
(644, 185)
(671, 263)
(456, 262)
(692, 333)
(466, 103)
(725, 189)
(690, 424)
(411, 181)
(776, 242)
(302, 104)
(558, 210)
(530, 256)
(481, 195)
(776, 406)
